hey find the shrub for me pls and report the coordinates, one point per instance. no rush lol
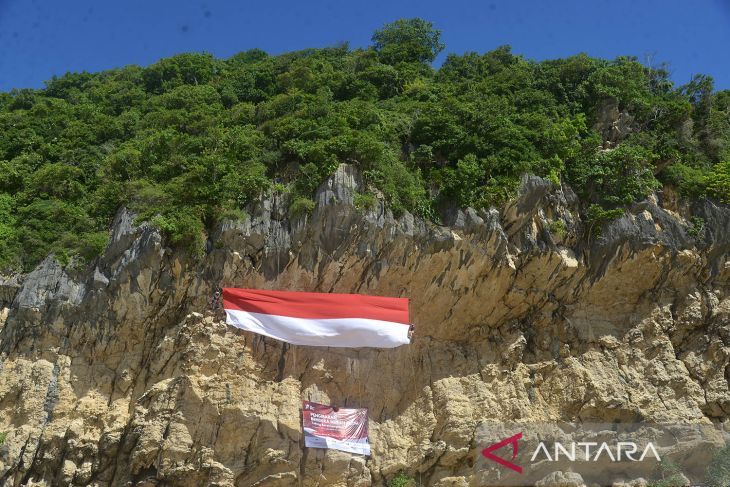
(615, 177)
(233, 214)
(278, 188)
(402, 480)
(597, 216)
(465, 182)
(183, 228)
(92, 244)
(57, 181)
(557, 228)
(671, 475)
(365, 201)
(690, 181)
(697, 227)
(718, 472)
(718, 182)
(9, 244)
(301, 206)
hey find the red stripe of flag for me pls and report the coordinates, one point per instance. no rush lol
(316, 305)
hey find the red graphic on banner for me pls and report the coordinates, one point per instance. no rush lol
(487, 452)
(343, 429)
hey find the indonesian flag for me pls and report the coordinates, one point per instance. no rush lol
(319, 319)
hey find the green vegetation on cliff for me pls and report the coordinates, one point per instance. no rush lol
(192, 138)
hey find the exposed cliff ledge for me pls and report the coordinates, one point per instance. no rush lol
(121, 376)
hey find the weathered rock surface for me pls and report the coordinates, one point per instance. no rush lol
(123, 376)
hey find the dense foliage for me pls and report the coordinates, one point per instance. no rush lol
(192, 139)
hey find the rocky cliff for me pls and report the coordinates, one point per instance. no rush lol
(122, 375)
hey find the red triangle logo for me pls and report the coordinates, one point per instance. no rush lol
(512, 440)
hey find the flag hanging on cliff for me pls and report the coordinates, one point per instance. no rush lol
(320, 319)
(336, 428)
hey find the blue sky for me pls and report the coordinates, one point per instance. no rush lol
(42, 38)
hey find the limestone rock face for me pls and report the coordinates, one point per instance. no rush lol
(613, 124)
(122, 375)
